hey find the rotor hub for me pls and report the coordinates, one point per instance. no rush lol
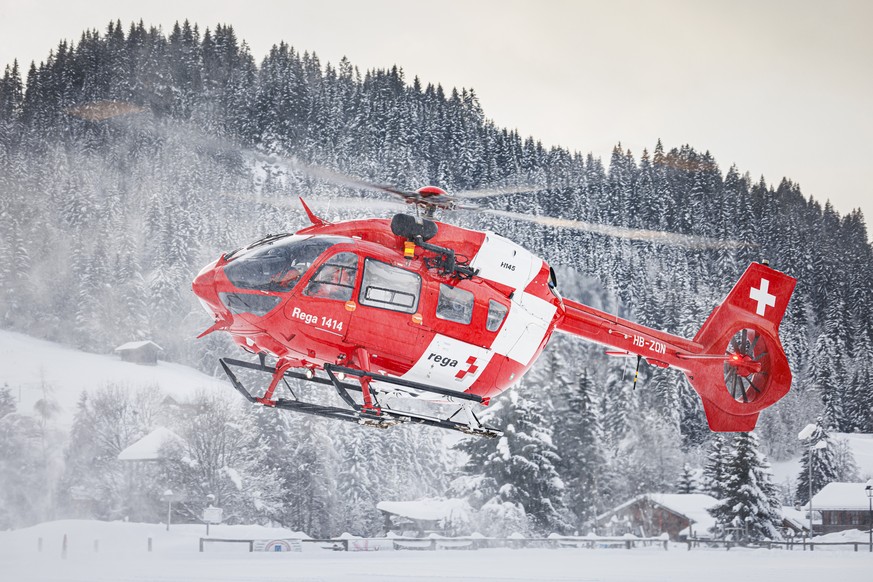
(747, 366)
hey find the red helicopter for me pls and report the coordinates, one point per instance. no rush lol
(428, 310)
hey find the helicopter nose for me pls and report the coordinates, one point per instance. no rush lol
(204, 288)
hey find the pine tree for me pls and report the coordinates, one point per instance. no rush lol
(750, 509)
(518, 469)
(687, 481)
(823, 464)
(715, 468)
(579, 438)
(7, 401)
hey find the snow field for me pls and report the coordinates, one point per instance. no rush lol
(494, 565)
(123, 557)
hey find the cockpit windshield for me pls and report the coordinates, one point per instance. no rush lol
(277, 266)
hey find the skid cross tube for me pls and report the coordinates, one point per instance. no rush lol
(383, 419)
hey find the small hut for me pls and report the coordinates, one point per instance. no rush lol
(144, 352)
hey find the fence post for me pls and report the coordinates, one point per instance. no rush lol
(150, 544)
(64, 548)
(201, 544)
(251, 546)
(96, 546)
(665, 545)
(39, 545)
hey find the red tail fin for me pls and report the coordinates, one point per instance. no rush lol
(743, 368)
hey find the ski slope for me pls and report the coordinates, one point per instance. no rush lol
(33, 368)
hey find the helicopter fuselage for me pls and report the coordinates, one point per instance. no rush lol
(359, 287)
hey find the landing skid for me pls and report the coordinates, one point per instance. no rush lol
(382, 417)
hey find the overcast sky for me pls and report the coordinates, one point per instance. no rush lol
(779, 88)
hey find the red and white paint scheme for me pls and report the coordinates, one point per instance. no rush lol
(468, 313)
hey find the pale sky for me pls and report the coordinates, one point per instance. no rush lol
(777, 87)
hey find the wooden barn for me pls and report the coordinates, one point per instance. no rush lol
(841, 506)
(676, 514)
(144, 352)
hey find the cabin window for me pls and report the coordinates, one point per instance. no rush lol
(455, 304)
(389, 287)
(496, 313)
(335, 279)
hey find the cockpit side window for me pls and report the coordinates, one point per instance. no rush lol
(389, 287)
(277, 266)
(335, 279)
(455, 304)
(496, 313)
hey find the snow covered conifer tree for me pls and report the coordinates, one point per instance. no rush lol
(687, 482)
(823, 461)
(579, 438)
(518, 468)
(750, 508)
(7, 402)
(714, 471)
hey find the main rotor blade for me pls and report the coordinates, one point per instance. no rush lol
(497, 191)
(654, 236)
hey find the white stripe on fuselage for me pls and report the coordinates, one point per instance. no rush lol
(454, 364)
(525, 327)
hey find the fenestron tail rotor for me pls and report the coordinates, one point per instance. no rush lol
(746, 366)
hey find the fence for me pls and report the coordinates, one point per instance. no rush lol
(802, 544)
(466, 543)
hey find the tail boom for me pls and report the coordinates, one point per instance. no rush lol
(736, 362)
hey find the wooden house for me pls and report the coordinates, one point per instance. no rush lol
(143, 352)
(841, 506)
(678, 515)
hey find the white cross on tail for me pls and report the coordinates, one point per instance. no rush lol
(763, 297)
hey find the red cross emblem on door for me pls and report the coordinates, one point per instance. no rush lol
(470, 370)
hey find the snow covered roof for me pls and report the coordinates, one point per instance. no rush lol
(795, 517)
(690, 505)
(426, 509)
(841, 496)
(136, 345)
(148, 447)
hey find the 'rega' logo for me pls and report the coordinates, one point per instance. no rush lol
(443, 361)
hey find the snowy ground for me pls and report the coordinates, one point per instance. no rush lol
(27, 363)
(122, 557)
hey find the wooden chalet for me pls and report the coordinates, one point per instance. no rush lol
(841, 506)
(678, 515)
(144, 352)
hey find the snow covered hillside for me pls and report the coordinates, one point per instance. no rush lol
(860, 444)
(36, 369)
